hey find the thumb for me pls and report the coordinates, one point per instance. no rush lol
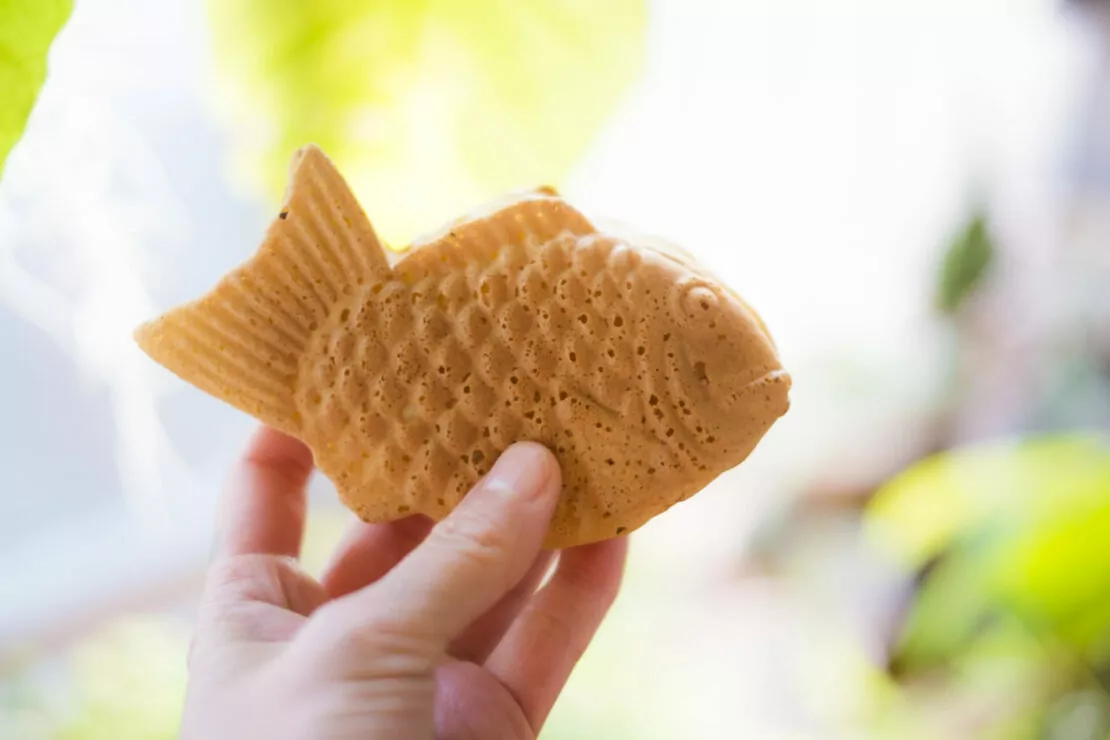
(471, 559)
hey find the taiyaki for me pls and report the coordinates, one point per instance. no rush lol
(408, 373)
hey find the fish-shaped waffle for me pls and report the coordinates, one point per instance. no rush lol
(408, 374)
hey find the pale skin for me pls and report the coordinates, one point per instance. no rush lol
(412, 631)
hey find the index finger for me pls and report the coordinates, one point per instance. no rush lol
(262, 510)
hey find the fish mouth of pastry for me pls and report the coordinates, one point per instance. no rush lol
(715, 329)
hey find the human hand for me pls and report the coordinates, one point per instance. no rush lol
(413, 631)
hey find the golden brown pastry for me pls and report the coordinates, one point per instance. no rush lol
(645, 376)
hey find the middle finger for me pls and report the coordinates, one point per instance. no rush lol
(478, 641)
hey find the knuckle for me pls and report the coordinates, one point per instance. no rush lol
(478, 543)
(555, 629)
(378, 642)
(231, 570)
(243, 578)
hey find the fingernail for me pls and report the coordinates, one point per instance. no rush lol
(523, 471)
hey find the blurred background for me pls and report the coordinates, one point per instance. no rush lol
(915, 194)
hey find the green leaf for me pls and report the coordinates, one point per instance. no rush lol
(1022, 531)
(1027, 484)
(27, 27)
(428, 107)
(965, 264)
(950, 609)
(921, 512)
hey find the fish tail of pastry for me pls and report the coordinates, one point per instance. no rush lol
(243, 341)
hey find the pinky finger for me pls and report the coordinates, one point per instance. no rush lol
(537, 655)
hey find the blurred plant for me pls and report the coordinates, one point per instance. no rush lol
(427, 106)
(123, 682)
(965, 264)
(26, 29)
(130, 683)
(1011, 546)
